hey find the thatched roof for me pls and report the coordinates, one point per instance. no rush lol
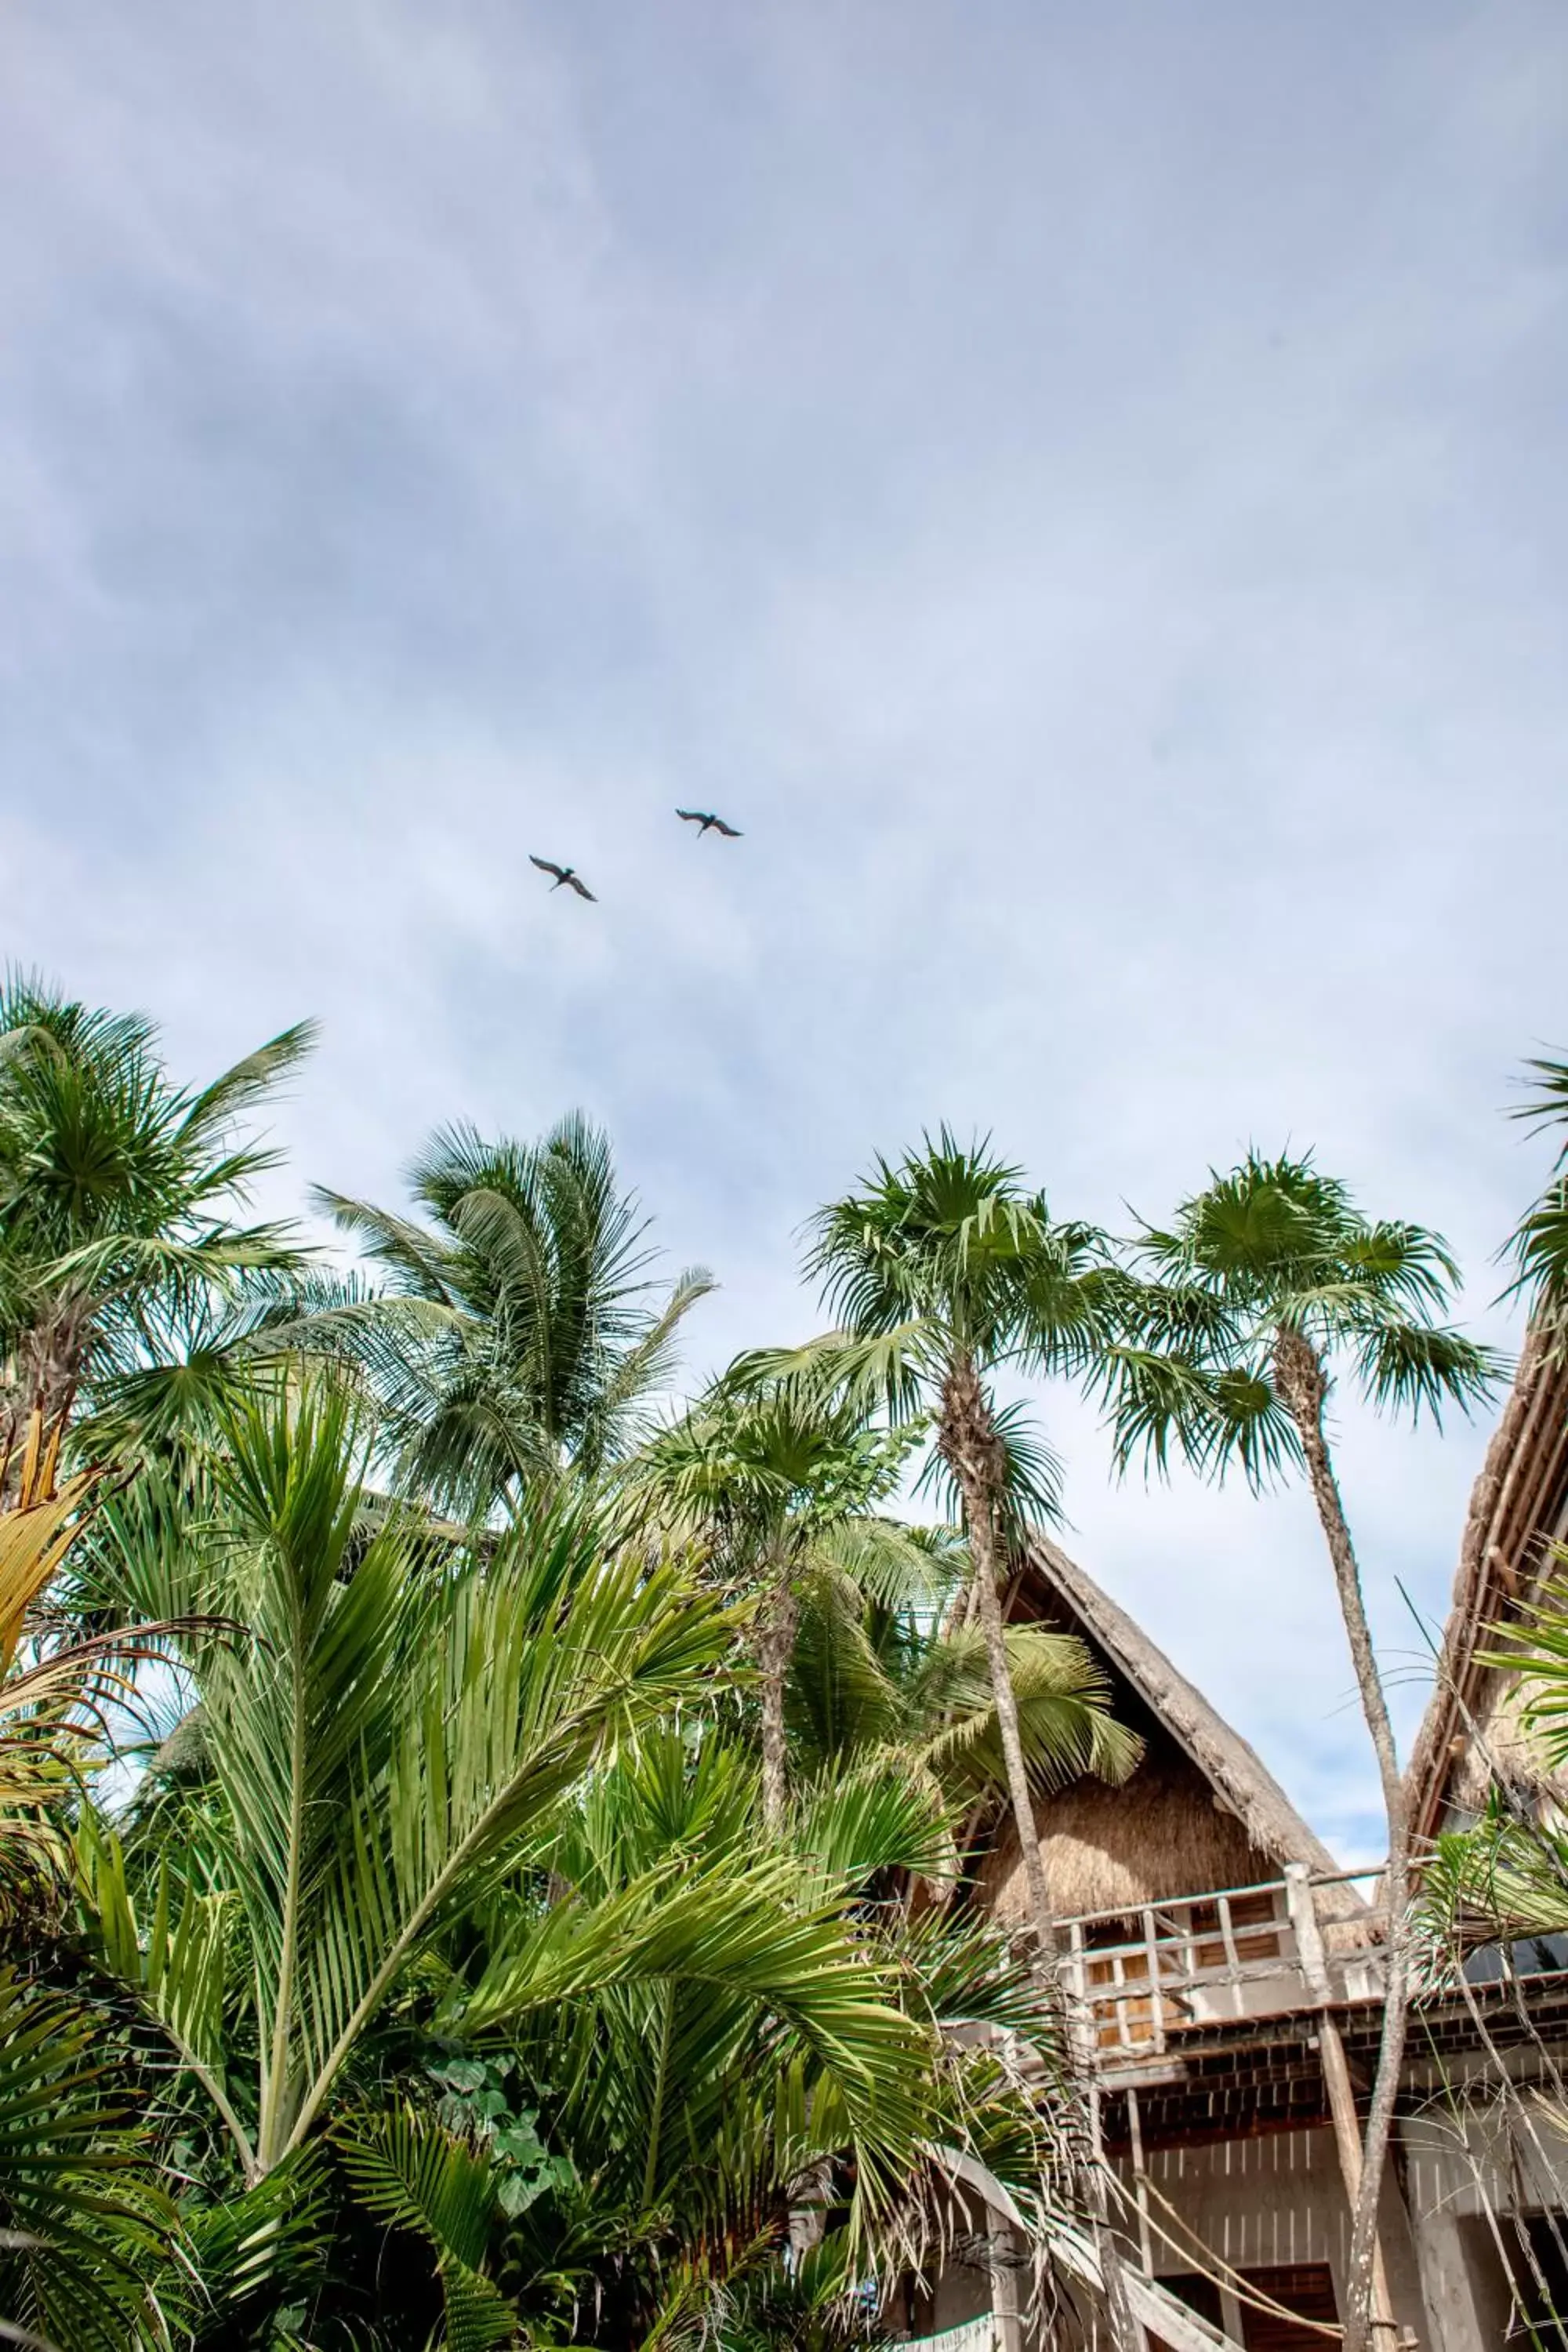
(1108, 1850)
(1518, 1505)
(1051, 1585)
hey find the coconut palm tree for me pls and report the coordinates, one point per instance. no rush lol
(1265, 1284)
(777, 1483)
(118, 1192)
(943, 1272)
(875, 1679)
(518, 1332)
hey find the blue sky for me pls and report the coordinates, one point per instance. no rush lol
(1083, 489)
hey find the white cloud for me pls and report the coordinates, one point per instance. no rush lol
(1084, 492)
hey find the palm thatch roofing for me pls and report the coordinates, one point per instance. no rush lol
(1205, 1767)
(1519, 1506)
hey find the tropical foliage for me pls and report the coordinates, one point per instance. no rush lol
(1505, 1880)
(944, 1271)
(531, 1896)
(518, 1335)
(1237, 1316)
(121, 1266)
(1539, 1245)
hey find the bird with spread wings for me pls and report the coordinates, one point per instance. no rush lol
(706, 821)
(567, 874)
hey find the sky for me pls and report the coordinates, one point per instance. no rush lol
(1084, 490)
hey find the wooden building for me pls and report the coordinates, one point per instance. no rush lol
(1227, 1974)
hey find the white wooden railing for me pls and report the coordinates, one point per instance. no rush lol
(1140, 1978)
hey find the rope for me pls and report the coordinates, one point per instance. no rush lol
(1219, 2271)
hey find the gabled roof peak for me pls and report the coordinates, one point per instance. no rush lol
(1240, 1782)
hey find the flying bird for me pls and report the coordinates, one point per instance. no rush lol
(707, 823)
(567, 874)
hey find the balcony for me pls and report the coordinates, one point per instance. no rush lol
(1142, 1981)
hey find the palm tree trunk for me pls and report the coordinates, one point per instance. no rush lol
(775, 1648)
(1302, 1384)
(44, 1376)
(968, 1442)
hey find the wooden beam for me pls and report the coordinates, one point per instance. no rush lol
(1140, 2187)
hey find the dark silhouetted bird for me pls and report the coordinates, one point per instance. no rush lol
(567, 874)
(706, 822)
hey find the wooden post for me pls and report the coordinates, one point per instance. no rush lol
(1135, 2137)
(1347, 2135)
(1156, 1994)
(1311, 1957)
(1232, 1959)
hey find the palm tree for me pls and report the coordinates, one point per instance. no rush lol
(87, 2236)
(404, 1782)
(118, 1196)
(944, 1271)
(383, 1745)
(1266, 1282)
(876, 1677)
(1505, 1879)
(518, 1333)
(1540, 1243)
(777, 1483)
(702, 2129)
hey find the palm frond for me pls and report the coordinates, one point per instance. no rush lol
(248, 2254)
(1064, 1717)
(93, 2230)
(250, 1081)
(413, 2175)
(1416, 1368)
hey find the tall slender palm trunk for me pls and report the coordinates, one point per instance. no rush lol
(1302, 1384)
(775, 1649)
(969, 1445)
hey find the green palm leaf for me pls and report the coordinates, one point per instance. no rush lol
(413, 2174)
(91, 2231)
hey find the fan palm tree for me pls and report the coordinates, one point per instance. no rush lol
(1265, 1284)
(518, 1332)
(944, 1271)
(117, 1197)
